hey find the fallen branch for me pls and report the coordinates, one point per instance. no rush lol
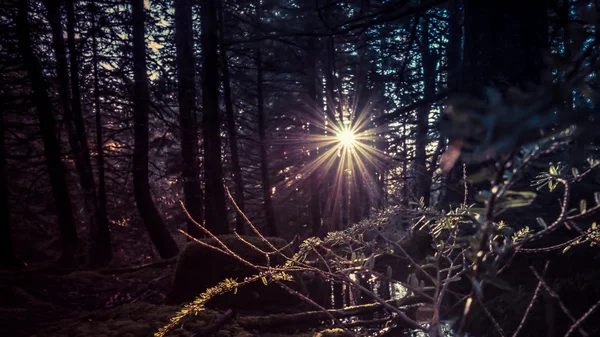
(124, 270)
(256, 322)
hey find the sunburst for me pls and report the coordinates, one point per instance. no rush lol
(342, 159)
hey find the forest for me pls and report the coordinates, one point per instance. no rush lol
(309, 168)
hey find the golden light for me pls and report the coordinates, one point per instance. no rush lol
(346, 138)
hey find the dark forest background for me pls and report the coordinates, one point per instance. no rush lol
(126, 122)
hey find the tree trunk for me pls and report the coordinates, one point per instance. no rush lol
(103, 240)
(516, 56)
(216, 210)
(316, 115)
(264, 167)
(56, 169)
(236, 170)
(453, 192)
(184, 41)
(99, 252)
(160, 236)
(8, 258)
(423, 179)
(515, 59)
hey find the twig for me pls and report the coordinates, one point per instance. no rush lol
(560, 302)
(530, 306)
(580, 320)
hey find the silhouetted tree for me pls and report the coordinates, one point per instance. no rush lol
(216, 210)
(184, 41)
(56, 169)
(236, 170)
(157, 230)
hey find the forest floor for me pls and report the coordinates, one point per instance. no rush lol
(50, 302)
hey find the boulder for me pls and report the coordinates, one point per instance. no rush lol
(200, 267)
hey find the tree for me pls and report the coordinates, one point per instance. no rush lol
(152, 219)
(103, 240)
(428, 60)
(184, 41)
(236, 170)
(56, 169)
(8, 259)
(216, 210)
(99, 251)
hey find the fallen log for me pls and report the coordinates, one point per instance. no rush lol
(277, 320)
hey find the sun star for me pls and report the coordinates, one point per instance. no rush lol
(346, 138)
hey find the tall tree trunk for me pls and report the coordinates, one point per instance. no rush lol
(160, 236)
(103, 240)
(99, 252)
(314, 106)
(8, 259)
(453, 191)
(334, 114)
(264, 166)
(515, 59)
(216, 210)
(184, 41)
(56, 169)
(423, 179)
(236, 170)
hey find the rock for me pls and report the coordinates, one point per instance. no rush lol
(200, 267)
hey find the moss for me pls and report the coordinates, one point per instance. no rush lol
(137, 320)
(15, 297)
(200, 267)
(331, 333)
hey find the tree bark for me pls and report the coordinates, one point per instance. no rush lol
(216, 210)
(103, 240)
(515, 59)
(423, 179)
(8, 259)
(184, 41)
(56, 168)
(264, 167)
(99, 252)
(160, 236)
(316, 115)
(236, 170)
(453, 192)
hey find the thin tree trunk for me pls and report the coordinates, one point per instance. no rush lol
(216, 209)
(314, 105)
(153, 221)
(423, 179)
(99, 252)
(264, 167)
(236, 170)
(104, 242)
(56, 169)
(334, 115)
(184, 41)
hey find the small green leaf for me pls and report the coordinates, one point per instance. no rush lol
(264, 280)
(597, 198)
(553, 170)
(566, 249)
(235, 291)
(582, 206)
(575, 172)
(594, 226)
